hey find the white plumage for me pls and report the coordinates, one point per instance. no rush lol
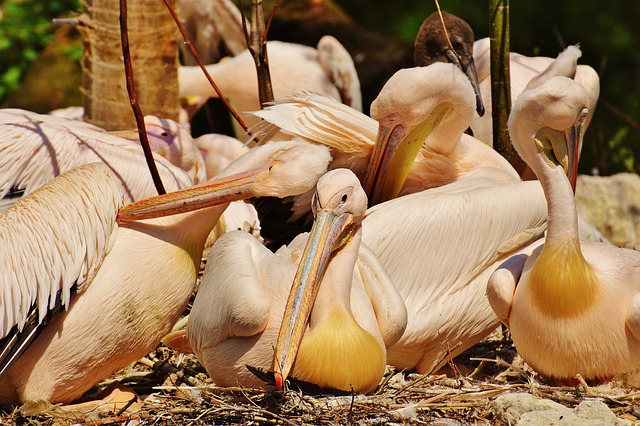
(35, 148)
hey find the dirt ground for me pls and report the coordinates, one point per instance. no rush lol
(175, 390)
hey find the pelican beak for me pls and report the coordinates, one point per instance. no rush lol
(573, 142)
(394, 152)
(468, 66)
(230, 188)
(561, 148)
(330, 231)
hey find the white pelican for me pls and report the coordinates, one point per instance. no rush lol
(524, 69)
(357, 312)
(572, 307)
(127, 303)
(439, 247)
(35, 148)
(174, 142)
(218, 151)
(327, 70)
(166, 137)
(432, 104)
(432, 45)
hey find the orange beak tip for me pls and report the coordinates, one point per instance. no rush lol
(279, 380)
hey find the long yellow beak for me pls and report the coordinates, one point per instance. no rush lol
(329, 232)
(563, 146)
(394, 152)
(234, 187)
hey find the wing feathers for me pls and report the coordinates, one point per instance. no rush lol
(54, 239)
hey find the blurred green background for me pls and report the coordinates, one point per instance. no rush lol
(608, 33)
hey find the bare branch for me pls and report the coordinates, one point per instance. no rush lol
(133, 97)
(193, 51)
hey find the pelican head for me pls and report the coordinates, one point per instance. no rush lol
(339, 206)
(410, 107)
(432, 46)
(277, 169)
(552, 114)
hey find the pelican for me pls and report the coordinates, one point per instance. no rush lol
(327, 70)
(218, 151)
(453, 45)
(525, 69)
(35, 148)
(439, 247)
(432, 104)
(572, 307)
(166, 137)
(149, 262)
(173, 141)
(357, 312)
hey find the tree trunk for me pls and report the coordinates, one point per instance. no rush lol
(154, 55)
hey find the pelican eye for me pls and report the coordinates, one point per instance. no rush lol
(165, 134)
(344, 198)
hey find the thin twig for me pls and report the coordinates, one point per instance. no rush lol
(193, 51)
(444, 27)
(276, 3)
(133, 98)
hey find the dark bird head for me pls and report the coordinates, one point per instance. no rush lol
(432, 46)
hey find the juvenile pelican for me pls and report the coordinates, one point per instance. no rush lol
(35, 148)
(130, 300)
(356, 314)
(524, 70)
(572, 307)
(452, 45)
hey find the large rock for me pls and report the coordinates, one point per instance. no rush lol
(521, 409)
(612, 205)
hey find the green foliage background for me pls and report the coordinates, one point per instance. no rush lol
(608, 33)
(25, 29)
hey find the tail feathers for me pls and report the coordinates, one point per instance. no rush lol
(14, 344)
(10, 197)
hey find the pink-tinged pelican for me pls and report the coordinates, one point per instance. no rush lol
(218, 151)
(353, 308)
(420, 113)
(166, 137)
(455, 45)
(150, 261)
(534, 69)
(35, 148)
(327, 70)
(572, 307)
(439, 247)
(173, 141)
